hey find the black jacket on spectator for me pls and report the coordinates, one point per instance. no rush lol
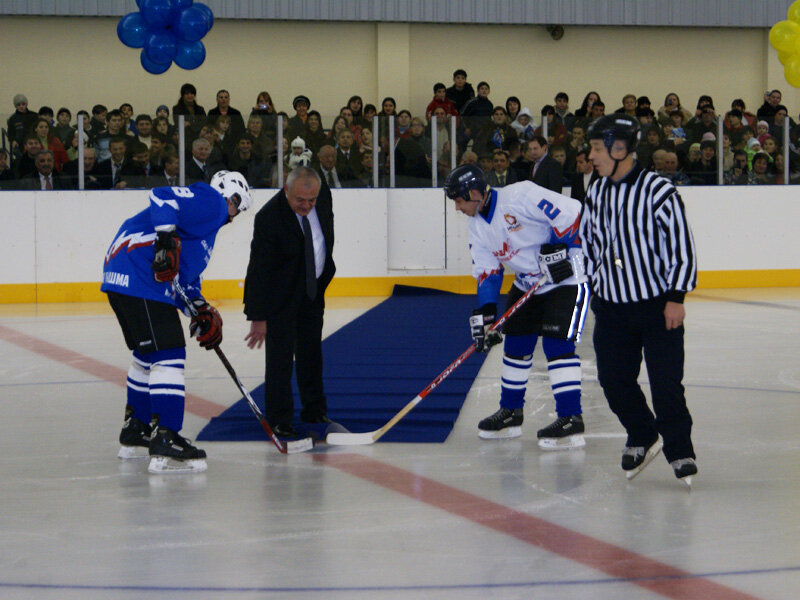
(92, 179)
(549, 174)
(20, 124)
(577, 189)
(460, 97)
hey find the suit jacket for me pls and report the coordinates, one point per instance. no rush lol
(105, 173)
(577, 189)
(511, 177)
(354, 162)
(347, 177)
(32, 182)
(549, 174)
(92, 179)
(276, 280)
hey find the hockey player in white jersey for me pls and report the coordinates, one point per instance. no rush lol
(532, 231)
(172, 238)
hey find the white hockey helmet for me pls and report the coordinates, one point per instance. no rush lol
(232, 183)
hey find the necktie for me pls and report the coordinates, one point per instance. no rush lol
(329, 177)
(171, 181)
(116, 174)
(501, 180)
(47, 184)
(311, 267)
(535, 168)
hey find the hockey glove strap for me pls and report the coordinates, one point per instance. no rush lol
(479, 325)
(167, 248)
(206, 325)
(554, 262)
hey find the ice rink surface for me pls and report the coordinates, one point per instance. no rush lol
(465, 519)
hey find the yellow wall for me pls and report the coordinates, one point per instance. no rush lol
(77, 62)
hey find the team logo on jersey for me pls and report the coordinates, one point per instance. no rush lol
(513, 224)
(506, 252)
(129, 241)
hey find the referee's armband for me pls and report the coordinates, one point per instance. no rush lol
(675, 296)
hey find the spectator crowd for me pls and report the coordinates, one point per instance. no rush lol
(510, 143)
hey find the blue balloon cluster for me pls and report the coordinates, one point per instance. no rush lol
(167, 31)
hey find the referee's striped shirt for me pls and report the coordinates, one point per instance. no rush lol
(637, 240)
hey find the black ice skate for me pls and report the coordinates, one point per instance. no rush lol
(636, 458)
(504, 424)
(684, 469)
(565, 433)
(134, 438)
(172, 453)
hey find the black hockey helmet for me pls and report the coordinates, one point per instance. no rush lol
(462, 179)
(611, 128)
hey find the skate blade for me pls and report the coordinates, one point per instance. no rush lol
(571, 442)
(687, 481)
(132, 452)
(648, 457)
(164, 464)
(503, 434)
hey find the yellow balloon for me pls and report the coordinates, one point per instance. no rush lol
(783, 57)
(793, 14)
(792, 70)
(783, 35)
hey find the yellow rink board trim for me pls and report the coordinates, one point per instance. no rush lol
(372, 286)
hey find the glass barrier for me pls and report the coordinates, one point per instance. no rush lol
(387, 151)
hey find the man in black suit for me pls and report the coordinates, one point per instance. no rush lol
(91, 177)
(584, 176)
(291, 265)
(501, 174)
(113, 172)
(546, 171)
(45, 178)
(333, 176)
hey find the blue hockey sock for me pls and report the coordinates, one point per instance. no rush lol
(138, 387)
(564, 369)
(167, 386)
(517, 364)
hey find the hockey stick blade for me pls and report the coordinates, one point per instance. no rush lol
(370, 437)
(291, 447)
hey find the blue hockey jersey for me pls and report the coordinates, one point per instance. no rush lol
(195, 213)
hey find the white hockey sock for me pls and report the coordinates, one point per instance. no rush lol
(565, 380)
(515, 373)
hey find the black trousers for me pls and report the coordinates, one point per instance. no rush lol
(295, 336)
(621, 333)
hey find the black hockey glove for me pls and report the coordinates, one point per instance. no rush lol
(167, 248)
(479, 325)
(206, 325)
(554, 262)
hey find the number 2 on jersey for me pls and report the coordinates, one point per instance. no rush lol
(548, 209)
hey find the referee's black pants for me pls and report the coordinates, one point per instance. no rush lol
(621, 332)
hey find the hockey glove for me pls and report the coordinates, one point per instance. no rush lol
(554, 262)
(167, 258)
(480, 323)
(206, 325)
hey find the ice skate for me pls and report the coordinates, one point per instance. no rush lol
(172, 453)
(636, 458)
(504, 424)
(134, 438)
(565, 433)
(684, 469)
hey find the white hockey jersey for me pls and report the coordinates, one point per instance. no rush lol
(509, 232)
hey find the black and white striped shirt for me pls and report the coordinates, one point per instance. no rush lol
(637, 240)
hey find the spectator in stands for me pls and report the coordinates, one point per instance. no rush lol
(62, 129)
(563, 116)
(188, 107)
(114, 128)
(113, 171)
(211, 133)
(672, 102)
(440, 123)
(706, 124)
(263, 144)
(485, 162)
(412, 163)
(158, 146)
(366, 178)
(513, 106)
(224, 107)
(762, 131)
(479, 106)
(99, 120)
(330, 173)
(703, 171)
(264, 105)
(256, 170)
(461, 91)
(585, 111)
(494, 133)
(672, 171)
(545, 171)
(162, 110)
(584, 175)
(225, 139)
(501, 173)
(738, 173)
(559, 154)
(366, 141)
(6, 173)
(347, 155)
(26, 164)
(50, 142)
(418, 135)
(45, 177)
(197, 166)
(468, 158)
(778, 123)
(299, 155)
(314, 135)
(137, 175)
(90, 176)
(21, 122)
(388, 107)
(144, 129)
(628, 106)
(760, 172)
(339, 124)
(645, 116)
(745, 118)
(556, 133)
(577, 139)
(297, 124)
(752, 148)
(658, 160)
(402, 126)
(356, 106)
(47, 113)
(440, 100)
(650, 142)
(370, 112)
(524, 126)
(351, 123)
(771, 101)
(169, 175)
(733, 125)
(770, 145)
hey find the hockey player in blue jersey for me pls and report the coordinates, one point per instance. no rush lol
(531, 230)
(171, 239)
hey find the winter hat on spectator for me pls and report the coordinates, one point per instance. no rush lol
(298, 142)
(164, 107)
(708, 137)
(301, 98)
(525, 112)
(764, 123)
(20, 98)
(753, 142)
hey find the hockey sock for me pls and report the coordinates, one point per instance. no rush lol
(564, 369)
(138, 387)
(517, 364)
(167, 386)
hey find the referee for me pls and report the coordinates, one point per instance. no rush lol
(641, 261)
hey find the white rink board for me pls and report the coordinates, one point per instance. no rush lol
(50, 237)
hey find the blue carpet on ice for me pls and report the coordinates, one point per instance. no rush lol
(378, 363)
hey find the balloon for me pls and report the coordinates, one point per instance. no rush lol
(190, 55)
(792, 70)
(783, 35)
(151, 67)
(784, 56)
(158, 13)
(132, 30)
(192, 24)
(160, 47)
(793, 14)
(184, 4)
(208, 12)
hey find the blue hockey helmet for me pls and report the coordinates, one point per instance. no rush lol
(462, 179)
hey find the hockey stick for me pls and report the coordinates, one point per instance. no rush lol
(291, 447)
(370, 437)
